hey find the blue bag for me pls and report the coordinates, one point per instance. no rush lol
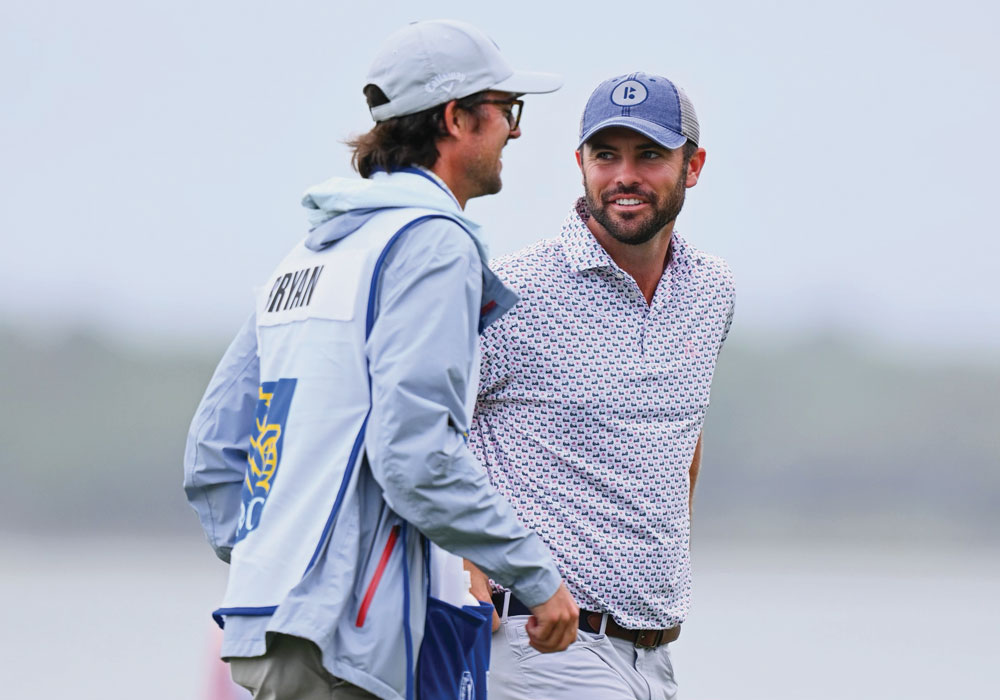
(455, 653)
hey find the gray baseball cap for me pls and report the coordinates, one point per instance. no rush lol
(643, 102)
(426, 64)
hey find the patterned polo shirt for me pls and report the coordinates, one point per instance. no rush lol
(590, 406)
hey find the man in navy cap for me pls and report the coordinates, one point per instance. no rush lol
(593, 393)
(327, 460)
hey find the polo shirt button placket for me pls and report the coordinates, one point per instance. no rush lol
(642, 312)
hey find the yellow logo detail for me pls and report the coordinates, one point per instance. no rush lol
(265, 447)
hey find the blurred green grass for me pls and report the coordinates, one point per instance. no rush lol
(807, 437)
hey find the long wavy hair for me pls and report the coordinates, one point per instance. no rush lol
(402, 141)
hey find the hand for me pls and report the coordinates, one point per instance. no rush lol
(481, 588)
(553, 624)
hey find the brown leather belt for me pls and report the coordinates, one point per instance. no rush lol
(641, 639)
(591, 622)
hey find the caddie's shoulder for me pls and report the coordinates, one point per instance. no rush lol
(436, 239)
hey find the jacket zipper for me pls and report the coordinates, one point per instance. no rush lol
(377, 576)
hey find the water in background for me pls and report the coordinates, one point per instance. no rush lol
(129, 618)
(825, 622)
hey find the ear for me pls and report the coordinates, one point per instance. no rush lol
(452, 119)
(579, 163)
(459, 122)
(695, 165)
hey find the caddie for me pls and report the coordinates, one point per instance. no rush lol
(327, 460)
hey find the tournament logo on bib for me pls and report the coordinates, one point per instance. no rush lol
(264, 459)
(467, 690)
(629, 93)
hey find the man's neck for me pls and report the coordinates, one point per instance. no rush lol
(447, 175)
(644, 262)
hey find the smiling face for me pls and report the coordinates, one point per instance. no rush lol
(635, 187)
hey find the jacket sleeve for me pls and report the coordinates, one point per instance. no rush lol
(218, 442)
(422, 355)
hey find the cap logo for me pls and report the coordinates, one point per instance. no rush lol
(444, 81)
(629, 93)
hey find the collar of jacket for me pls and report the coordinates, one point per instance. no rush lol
(408, 187)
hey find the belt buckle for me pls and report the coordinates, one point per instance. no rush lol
(640, 639)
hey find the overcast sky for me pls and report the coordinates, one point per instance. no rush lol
(153, 155)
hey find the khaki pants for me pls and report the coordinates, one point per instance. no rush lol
(292, 669)
(594, 666)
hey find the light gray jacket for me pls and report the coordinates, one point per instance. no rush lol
(434, 293)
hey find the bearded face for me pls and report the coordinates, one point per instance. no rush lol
(654, 210)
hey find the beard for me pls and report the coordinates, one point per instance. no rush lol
(483, 174)
(635, 228)
(488, 182)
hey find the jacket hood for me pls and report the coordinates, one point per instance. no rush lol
(340, 206)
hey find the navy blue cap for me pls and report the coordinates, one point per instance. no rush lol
(649, 104)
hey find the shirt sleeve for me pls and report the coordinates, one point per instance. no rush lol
(218, 442)
(494, 371)
(731, 293)
(422, 356)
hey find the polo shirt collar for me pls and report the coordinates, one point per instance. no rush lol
(581, 248)
(584, 252)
